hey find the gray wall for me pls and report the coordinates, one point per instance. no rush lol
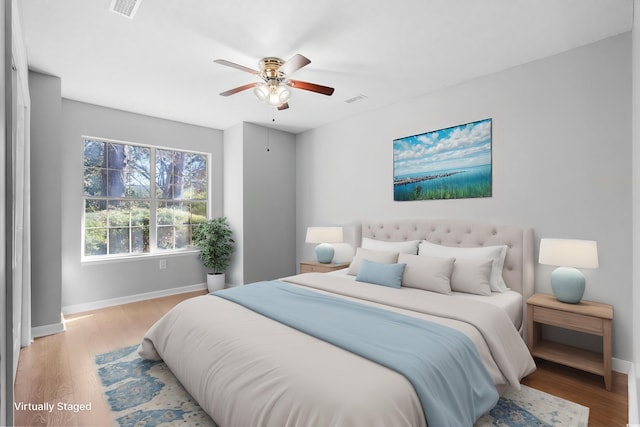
(269, 203)
(95, 281)
(47, 165)
(6, 329)
(561, 162)
(634, 382)
(260, 197)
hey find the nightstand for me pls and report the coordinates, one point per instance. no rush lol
(316, 267)
(586, 316)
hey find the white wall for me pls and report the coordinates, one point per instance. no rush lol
(233, 198)
(561, 162)
(84, 283)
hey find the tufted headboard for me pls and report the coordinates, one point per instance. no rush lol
(519, 261)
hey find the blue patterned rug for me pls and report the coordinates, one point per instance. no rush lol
(144, 393)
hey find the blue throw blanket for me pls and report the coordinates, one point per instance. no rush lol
(441, 363)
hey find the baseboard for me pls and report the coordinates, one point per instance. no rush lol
(44, 330)
(621, 365)
(94, 305)
(634, 411)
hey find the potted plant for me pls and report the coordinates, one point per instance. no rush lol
(214, 239)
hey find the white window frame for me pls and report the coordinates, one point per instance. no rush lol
(153, 201)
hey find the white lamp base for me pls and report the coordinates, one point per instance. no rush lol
(568, 284)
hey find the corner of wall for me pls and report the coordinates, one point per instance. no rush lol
(233, 201)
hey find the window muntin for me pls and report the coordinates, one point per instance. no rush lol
(132, 208)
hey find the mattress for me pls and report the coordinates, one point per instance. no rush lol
(245, 369)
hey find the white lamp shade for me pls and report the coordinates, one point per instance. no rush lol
(262, 92)
(569, 253)
(324, 235)
(279, 95)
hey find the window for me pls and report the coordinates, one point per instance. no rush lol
(141, 199)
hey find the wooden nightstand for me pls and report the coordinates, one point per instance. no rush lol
(588, 317)
(316, 267)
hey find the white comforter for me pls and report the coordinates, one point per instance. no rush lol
(247, 370)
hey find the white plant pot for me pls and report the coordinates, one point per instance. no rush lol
(215, 282)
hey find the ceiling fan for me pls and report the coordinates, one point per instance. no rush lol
(274, 87)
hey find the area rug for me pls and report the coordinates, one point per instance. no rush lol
(145, 393)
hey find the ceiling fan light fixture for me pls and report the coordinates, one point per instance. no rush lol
(274, 89)
(262, 92)
(272, 94)
(282, 95)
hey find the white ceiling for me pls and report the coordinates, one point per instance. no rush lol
(161, 62)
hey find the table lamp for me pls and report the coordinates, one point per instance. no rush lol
(567, 281)
(324, 236)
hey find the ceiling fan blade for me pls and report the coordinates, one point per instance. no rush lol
(237, 66)
(283, 106)
(294, 64)
(298, 84)
(239, 89)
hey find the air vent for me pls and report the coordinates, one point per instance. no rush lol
(355, 99)
(126, 8)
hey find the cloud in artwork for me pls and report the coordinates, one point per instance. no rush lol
(452, 148)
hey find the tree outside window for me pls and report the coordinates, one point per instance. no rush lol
(131, 207)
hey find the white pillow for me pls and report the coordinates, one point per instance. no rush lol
(471, 276)
(383, 257)
(427, 272)
(406, 247)
(496, 253)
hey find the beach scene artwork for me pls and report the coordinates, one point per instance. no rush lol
(451, 163)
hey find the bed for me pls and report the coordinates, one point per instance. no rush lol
(246, 366)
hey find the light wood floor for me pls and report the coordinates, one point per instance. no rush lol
(60, 368)
(606, 408)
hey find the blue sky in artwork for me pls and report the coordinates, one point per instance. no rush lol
(456, 147)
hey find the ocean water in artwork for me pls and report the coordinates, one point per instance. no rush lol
(459, 183)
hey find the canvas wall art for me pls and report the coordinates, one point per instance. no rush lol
(451, 163)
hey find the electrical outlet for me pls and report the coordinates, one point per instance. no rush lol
(163, 264)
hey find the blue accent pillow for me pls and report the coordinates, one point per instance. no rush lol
(380, 274)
